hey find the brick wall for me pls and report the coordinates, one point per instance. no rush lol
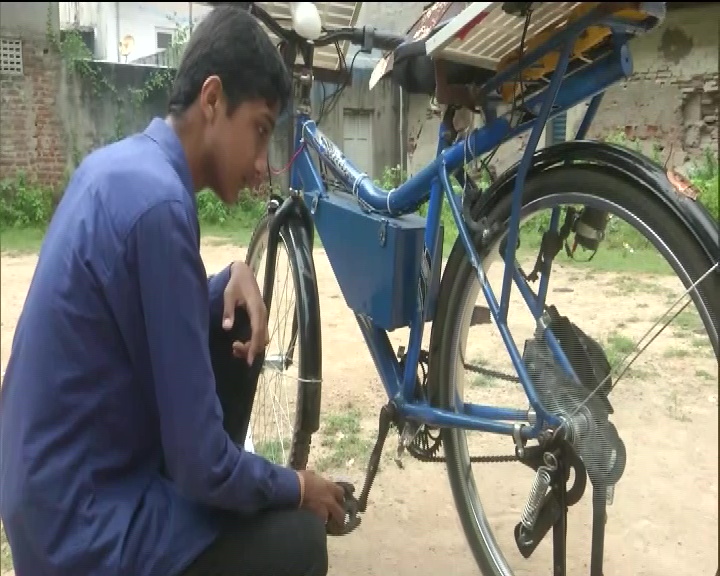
(32, 136)
(671, 101)
(695, 108)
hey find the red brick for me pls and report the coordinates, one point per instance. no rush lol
(32, 138)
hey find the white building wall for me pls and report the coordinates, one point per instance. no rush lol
(83, 14)
(112, 21)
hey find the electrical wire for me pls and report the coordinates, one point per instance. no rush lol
(335, 96)
(485, 161)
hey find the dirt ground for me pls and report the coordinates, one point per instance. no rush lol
(664, 517)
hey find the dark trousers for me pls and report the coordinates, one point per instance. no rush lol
(278, 543)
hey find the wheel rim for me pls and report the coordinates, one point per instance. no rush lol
(468, 296)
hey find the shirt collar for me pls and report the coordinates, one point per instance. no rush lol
(165, 137)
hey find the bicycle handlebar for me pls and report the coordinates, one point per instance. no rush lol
(366, 37)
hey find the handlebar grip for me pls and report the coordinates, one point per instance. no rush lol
(385, 41)
(368, 38)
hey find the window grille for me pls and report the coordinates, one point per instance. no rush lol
(11, 57)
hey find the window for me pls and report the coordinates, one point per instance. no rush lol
(11, 59)
(163, 39)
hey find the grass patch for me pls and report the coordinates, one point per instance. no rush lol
(688, 322)
(704, 374)
(218, 234)
(637, 262)
(24, 241)
(26, 207)
(617, 347)
(229, 224)
(622, 250)
(19, 241)
(272, 450)
(675, 353)
(342, 442)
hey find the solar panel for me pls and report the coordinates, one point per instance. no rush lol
(483, 34)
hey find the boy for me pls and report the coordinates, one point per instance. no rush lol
(114, 455)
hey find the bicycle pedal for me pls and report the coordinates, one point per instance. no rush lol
(350, 505)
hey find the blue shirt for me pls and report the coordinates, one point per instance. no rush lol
(110, 378)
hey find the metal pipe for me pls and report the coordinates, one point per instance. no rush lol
(118, 40)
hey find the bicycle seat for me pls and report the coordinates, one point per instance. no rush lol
(409, 65)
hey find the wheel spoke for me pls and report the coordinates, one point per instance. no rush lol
(274, 421)
(476, 366)
(639, 346)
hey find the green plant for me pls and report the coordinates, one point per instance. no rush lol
(392, 177)
(245, 212)
(620, 237)
(24, 203)
(704, 175)
(210, 209)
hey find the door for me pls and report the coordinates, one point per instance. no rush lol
(357, 139)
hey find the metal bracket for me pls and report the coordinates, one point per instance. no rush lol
(382, 232)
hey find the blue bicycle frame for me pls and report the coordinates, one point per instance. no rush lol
(364, 226)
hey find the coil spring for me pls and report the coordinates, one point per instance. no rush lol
(539, 488)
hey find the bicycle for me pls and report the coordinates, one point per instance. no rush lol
(387, 259)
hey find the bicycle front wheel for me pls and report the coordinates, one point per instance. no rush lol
(287, 402)
(647, 262)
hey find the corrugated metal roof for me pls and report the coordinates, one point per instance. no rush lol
(332, 14)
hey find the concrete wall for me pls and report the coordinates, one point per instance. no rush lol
(390, 17)
(670, 103)
(28, 17)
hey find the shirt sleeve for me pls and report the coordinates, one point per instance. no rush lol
(200, 456)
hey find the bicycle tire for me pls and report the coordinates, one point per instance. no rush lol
(558, 181)
(294, 240)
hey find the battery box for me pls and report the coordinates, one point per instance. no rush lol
(377, 260)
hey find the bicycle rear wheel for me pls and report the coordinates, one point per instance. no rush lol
(492, 542)
(287, 402)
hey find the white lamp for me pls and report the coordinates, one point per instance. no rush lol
(306, 19)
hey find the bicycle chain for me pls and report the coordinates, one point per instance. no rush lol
(473, 459)
(491, 373)
(415, 453)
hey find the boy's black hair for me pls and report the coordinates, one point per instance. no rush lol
(231, 44)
